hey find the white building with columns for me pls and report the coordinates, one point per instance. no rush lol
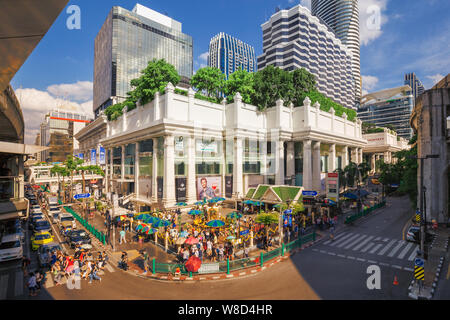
(178, 148)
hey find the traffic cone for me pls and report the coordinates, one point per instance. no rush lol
(395, 281)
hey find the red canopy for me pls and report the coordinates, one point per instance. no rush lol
(191, 240)
(193, 264)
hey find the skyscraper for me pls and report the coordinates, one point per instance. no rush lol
(230, 54)
(125, 44)
(294, 39)
(415, 84)
(343, 17)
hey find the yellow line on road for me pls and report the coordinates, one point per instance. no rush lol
(408, 223)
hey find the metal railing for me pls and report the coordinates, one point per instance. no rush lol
(363, 213)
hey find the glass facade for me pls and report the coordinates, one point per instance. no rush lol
(130, 154)
(181, 156)
(251, 156)
(146, 158)
(125, 45)
(117, 163)
(208, 156)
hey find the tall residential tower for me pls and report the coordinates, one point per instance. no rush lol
(127, 41)
(415, 84)
(230, 54)
(343, 17)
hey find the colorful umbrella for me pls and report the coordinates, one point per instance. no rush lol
(140, 227)
(143, 216)
(234, 215)
(184, 234)
(278, 206)
(248, 202)
(193, 264)
(150, 231)
(130, 215)
(181, 204)
(161, 223)
(199, 203)
(151, 220)
(220, 199)
(215, 223)
(180, 241)
(191, 240)
(121, 218)
(195, 212)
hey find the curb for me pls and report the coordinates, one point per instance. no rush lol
(136, 271)
(433, 286)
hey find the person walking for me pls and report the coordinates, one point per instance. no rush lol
(32, 285)
(122, 236)
(145, 257)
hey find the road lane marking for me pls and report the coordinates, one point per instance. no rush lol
(341, 255)
(390, 244)
(350, 257)
(378, 246)
(413, 254)
(403, 253)
(4, 286)
(386, 239)
(336, 237)
(350, 234)
(408, 269)
(363, 243)
(359, 259)
(396, 267)
(332, 253)
(400, 244)
(371, 261)
(378, 238)
(384, 264)
(348, 240)
(323, 251)
(18, 285)
(368, 247)
(356, 241)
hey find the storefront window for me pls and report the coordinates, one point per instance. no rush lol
(181, 154)
(208, 156)
(229, 155)
(117, 163)
(146, 158)
(130, 152)
(324, 164)
(251, 161)
(298, 156)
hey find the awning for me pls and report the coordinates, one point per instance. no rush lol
(18, 148)
(354, 195)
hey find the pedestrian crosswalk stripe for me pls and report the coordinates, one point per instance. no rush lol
(386, 239)
(109, 268)
(363, 243)
(399, 245)
(413, 254)
(378, 246)
(378, 238)
(356, 241)
(4, 286)
(49, 282)
(403, 253)
(18, 285)
(390, 244)
(341, 239)
(370, 245)
(340, 245)
(336, 237)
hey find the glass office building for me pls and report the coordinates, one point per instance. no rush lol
(415, 84)
(127, 41)
(230, 54)
(390, 106)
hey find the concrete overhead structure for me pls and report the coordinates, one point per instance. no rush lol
(430, 120)
(161, 151)
(382, 146)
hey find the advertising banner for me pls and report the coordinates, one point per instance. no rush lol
(145, 188)
(228, 186)
(102, 156)
(179, 144)
(205, 146)
(93, 157)
(209, 187)
(333, 186)
(180, 191)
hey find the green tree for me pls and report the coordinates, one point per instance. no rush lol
(72, 164)
(351, 172)
(267, 219)
(211, 80)
(240, 81)
(302, 82)
(271, 84)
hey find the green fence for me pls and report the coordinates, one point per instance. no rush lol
(233, 265)
(99, 235)
(365, 212)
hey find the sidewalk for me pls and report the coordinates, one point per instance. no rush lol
(436, 255)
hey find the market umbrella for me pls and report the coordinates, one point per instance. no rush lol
(248, 202)
(121, 218)
(160, 223)
(180, 241)
(195, 212)
(220, 199)
(231, 237)
(193, 264)
(183, 234)
(288, 211)
(140, 227)
(181, 204)
(199, 203)
(234, 215)
(278, 206)
(150, 231)
(143, 216)
(191, 240)
(151, 220)
(215, 223)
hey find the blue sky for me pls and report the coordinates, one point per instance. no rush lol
(414, 37)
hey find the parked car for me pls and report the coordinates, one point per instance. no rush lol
(79, 237)
(66, 220)
(42, 225)
(35, 208)
(11, 248)
(34, 219)
(413, 235)
(44, 253)
(54, 210)
(39, 239)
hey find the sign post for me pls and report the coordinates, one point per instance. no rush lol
(419, 271)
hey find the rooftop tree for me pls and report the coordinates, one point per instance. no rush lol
(211, 80)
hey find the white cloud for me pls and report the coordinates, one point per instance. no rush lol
(36, 103)
(80, 91)
(368, 84)
(305, 3)
(204, 56)
(435, 78)
(371, 19)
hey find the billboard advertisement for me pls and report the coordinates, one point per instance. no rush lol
(228, 186)
(93, 157)
(180, 191)
(207, 146)
(102, 156)
(209, 187)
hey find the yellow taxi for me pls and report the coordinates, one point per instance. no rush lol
(39, 239)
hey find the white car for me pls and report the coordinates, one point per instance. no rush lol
(35, 209)
(11, 248)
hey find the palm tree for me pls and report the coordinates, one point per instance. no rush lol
(267, 219)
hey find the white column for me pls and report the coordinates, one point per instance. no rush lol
(307, 165)
(191, 195)
(372, 162)
(155, 171)
(169, 172)
(237, 167)
(360, 155)
(345, 157)
(290, 161)
(136, 170)
(123, 163)
(316, 166)
(279, 162)
(263, 155)
(332, 158)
